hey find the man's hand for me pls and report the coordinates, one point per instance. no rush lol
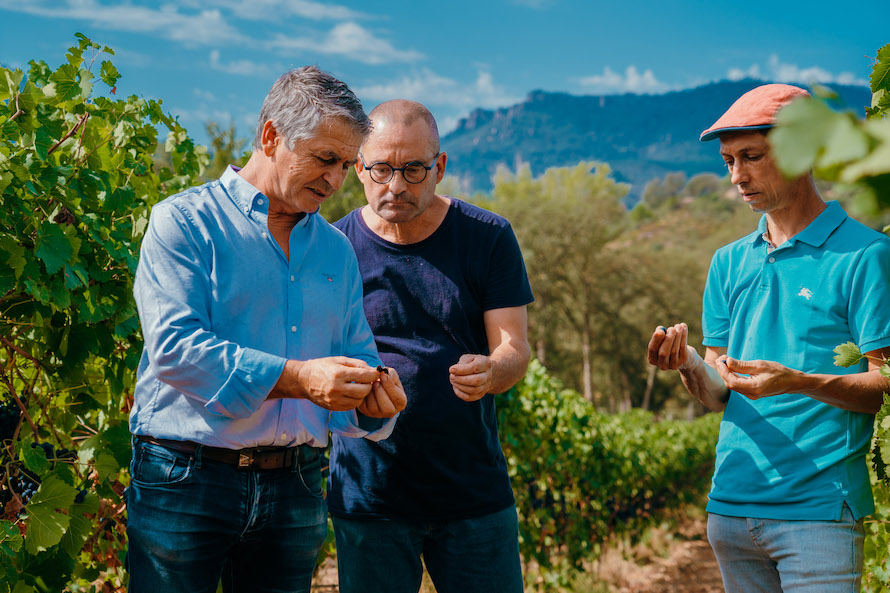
(471, 377)
(387, 397)
(335, 383)
(765, 378)
(668, 349)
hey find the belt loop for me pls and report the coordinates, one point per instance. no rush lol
(296, 464)
(198, 451)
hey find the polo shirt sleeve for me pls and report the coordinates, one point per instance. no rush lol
(715, 305)
(507, 282)
(869, 304)
(173, 294)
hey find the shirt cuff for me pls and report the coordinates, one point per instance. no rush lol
(255, 374)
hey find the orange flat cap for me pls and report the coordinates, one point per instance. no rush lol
(755, 110)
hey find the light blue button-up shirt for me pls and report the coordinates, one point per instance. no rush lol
(222, 309)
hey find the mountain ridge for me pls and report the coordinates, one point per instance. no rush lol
(641, 137)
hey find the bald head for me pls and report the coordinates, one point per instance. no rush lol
(404, 113)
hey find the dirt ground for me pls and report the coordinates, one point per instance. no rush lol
(672, 560)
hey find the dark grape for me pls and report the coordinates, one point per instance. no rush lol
(9, 418)
(81, 496)
(26, 487)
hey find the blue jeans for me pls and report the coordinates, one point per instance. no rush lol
(193, 522)
(466, 556)
(775, 556)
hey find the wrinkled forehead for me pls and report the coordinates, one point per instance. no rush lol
(740, 141)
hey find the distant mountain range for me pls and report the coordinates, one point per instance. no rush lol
(640, 136)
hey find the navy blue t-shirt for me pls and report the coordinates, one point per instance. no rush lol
(425, 303)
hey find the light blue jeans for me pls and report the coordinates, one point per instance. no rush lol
(776, 556)
(478, 555)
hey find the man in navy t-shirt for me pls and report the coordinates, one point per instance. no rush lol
(445, 293)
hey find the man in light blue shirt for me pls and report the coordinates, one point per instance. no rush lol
(790, 484)
(256, 346)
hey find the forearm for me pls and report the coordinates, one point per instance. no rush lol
(859, 392)
(703, 382)
(509, 363)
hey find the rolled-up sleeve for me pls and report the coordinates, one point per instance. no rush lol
(173, 295)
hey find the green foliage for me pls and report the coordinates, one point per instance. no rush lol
(838, 145)
(581, 477)
(77, 180)
(841, 147)
(350, 196)
(847, 355)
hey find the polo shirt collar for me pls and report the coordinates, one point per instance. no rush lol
(816, 232)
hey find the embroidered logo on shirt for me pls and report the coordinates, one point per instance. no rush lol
(805, 293)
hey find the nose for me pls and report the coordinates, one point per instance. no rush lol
(398, 184)
(336, 176)
(737, 173)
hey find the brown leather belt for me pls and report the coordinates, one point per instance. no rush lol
(254, 458)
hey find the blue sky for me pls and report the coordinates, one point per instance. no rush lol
(216, 60)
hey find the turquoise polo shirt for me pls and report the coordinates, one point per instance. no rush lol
(790, 456)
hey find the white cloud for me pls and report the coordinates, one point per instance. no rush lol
(276, 9)
(776, 71)
(632, 81)
(351, 40)
(204, 27)
(204, 95)
(429, 88)
(240, 67)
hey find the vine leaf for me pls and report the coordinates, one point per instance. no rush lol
(880, 75)
(81, 527)
(35, 460)
(55, 248)
(847, 355)
(46, 525)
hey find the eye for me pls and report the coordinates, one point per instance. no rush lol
(325, 161)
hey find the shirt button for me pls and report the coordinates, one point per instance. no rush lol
(772, 260)
(265, 236)
(293, 329)
(260, 201)
(292, 278)
(283, 436)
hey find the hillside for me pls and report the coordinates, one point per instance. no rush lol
(640, 136)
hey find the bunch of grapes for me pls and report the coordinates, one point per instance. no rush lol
(10, 414)
(26, 485)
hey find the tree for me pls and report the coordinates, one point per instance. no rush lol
(76, 184)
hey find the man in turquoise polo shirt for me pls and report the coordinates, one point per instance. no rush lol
(791, 484)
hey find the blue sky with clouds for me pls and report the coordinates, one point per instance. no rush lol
(216, 60)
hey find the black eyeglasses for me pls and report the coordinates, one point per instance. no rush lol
(414, 172)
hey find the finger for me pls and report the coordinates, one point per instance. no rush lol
(464, 395)
(466, 358)
(655, 343)
(394, 375)
(366, 374)
(356, 391)
(370, 406)
(665, 350)
(675, 347)
(475, 380)
(351, 362)
(394, 394)
(385, 406)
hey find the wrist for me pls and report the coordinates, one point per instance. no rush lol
(693, 361)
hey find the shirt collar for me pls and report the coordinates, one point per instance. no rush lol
(816, 232)
(243, 193)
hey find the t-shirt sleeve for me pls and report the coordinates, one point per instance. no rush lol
(715, 306)
(869, 305)
(507, 280)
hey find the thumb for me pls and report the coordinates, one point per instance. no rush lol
(740, 366)
(466, 358)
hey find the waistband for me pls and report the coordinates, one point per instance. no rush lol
(252, 458)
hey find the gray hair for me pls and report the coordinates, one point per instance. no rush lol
(301, 99)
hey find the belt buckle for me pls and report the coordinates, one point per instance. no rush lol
(245, 459)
